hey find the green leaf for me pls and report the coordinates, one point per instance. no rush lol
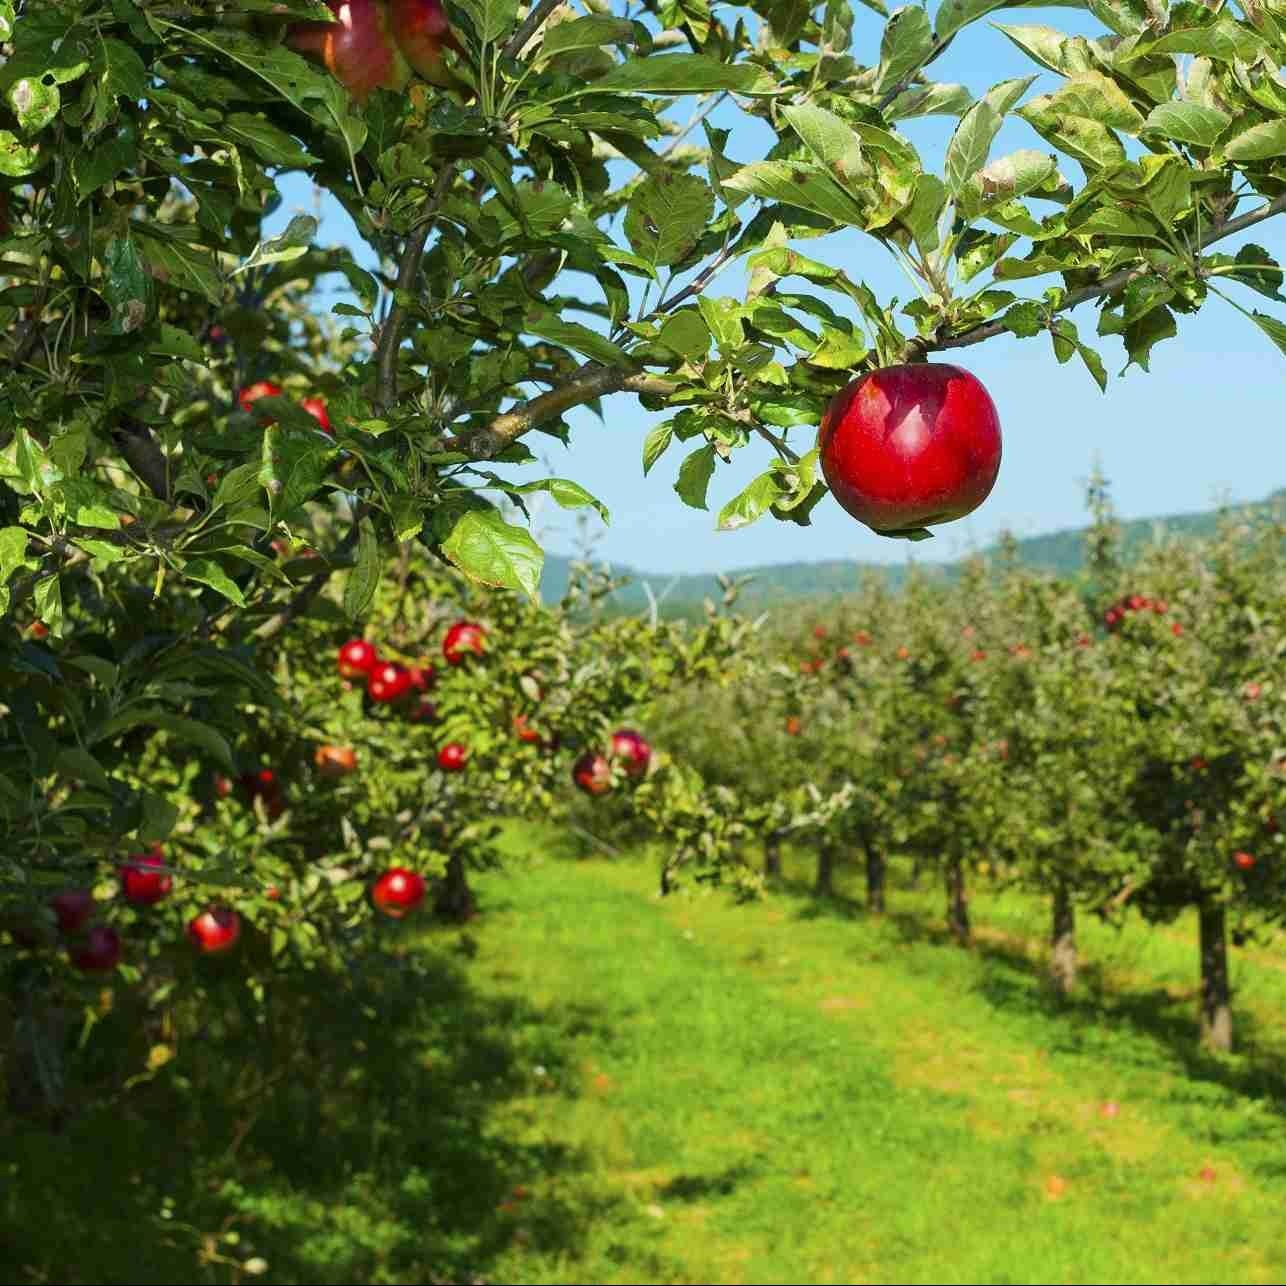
(206, 571)
(101, 551)
(694, 477)
(566, 494)
(575, 336)
(125, 285)
(491, 18)
(13, 552)
(686, 334)
(1225, 40)
(271, 145)
(930, 100)
(655, 443)
(667, 215)
(752, 503)
(834, 145)
(76, 764)
(112, 154)
(1275, 330)
(584, 33)
(159, 816)
(1258, 143)
(490, 550)
(34, 103)
(18, 159)
(48, 599)
(174, 251)
(197, 734)
(680, 74)
(801, 184)
(364, 578)
(1098, 98)
(1007, 178)
(238, 484)
(290, 244)
(954, 14)
(1186, 123)
(293, 464)
(967, 151)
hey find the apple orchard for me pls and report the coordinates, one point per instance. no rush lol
(274, 674)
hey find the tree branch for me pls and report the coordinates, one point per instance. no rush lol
(407, 274)
(591, 381)
(536, 16)
(938, 47)
(309, 590)
(922, 345)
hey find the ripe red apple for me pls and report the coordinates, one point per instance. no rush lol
(978, 655)
(793, 725)
(909, 446)
(423, 677)
(452, 757)
(358, 48)
(1252, 691)
(632, 750)
(335, 761)
(272, 893)
(1243, 861)
(462, 639)
(74, 908)
(388, 681)
(398, 891)
(141, 883)
(1109, 1109)
(904, 654)
(862, 638)
(99, 952)
(423, 711)
(253, 392)
(422, 33)
(524, 730)
(819, 631)
(316, 407)
(1207, 1174)
(592, 773)
(38, 630)
(222, 786)
(1198, 763)
(215, 929)
(357, 658)
(1176, 629)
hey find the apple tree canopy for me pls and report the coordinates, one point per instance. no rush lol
(551, 228)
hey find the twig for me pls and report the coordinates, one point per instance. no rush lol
(693, 121)
(528, 27)
(589, 835)
(309, 590)
(904, 84)
(408, 272)
(778, 441)
(696, 286)
(918, 347)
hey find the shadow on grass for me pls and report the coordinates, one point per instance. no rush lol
(698, 1187)
(349, 1137)
(1012, 980)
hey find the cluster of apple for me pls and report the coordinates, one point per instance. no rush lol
(592, 772)
(261, 784)
(392, 683)
(94, 947)
(377, 44)
(315, 406)
(1133, 603)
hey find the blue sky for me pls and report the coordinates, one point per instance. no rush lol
(1204, 425)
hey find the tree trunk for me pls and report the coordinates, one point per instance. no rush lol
(825, 886)
(1216, 995)
(957, 902)
(34, 1068)
(772, 857)
(454, 898)
(1062, 943)
(874, 879)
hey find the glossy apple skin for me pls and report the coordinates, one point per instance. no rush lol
(100, 951)
(142, 886)
(316, 407)
(253, 392)
(632, 750)
(421, 30)
(74, 908)
(910, 446)
(398, 891)
(462, 639)
(335, 761)
(388, 682)
(1244, 861)
(525, 731)
(357, 658)
(592, 773)
(214, 930)
(452, 757)
(358, 48)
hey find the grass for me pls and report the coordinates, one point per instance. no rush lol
(591, 1084)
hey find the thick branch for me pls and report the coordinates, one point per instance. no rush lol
(591, 381)
(142, 454)
(407, 274)
(529, 26)
(918, 347)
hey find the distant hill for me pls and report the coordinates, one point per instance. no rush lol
(1061, 552)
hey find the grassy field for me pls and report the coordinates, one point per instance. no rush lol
(589, 1084)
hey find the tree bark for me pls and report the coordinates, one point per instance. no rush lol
(772, 857)
(453, 898)
(825, 886)
(957, 902)
(874, 879)
(1062, 943)
(1216, 994)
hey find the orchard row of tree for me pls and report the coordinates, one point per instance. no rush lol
(1115, 742)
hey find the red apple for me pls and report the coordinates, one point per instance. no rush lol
(462, 639)
(1252, 691)
(1176, 629)
(524, 730)
(99, 952)
(452, 757)
(357, 658)
(38, 630)
(272, 893)
(422, 32)
(423, 711)
(793, 725)
(592, 773)
(632, 750)
(862, 638)
(388, 682)
(1207, 1174)
(222, 786)
(819, 631)
(904, 654)
(215, 929)
(253, 392)
(1109, 1109)
(1243, 861)
(398, 891)
(144, 886)
(423, 677)
(316, 407)
(335, 761)
(358, 48)
(909, 446)
(978, 655)
(74, 908)
(1198, 764)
